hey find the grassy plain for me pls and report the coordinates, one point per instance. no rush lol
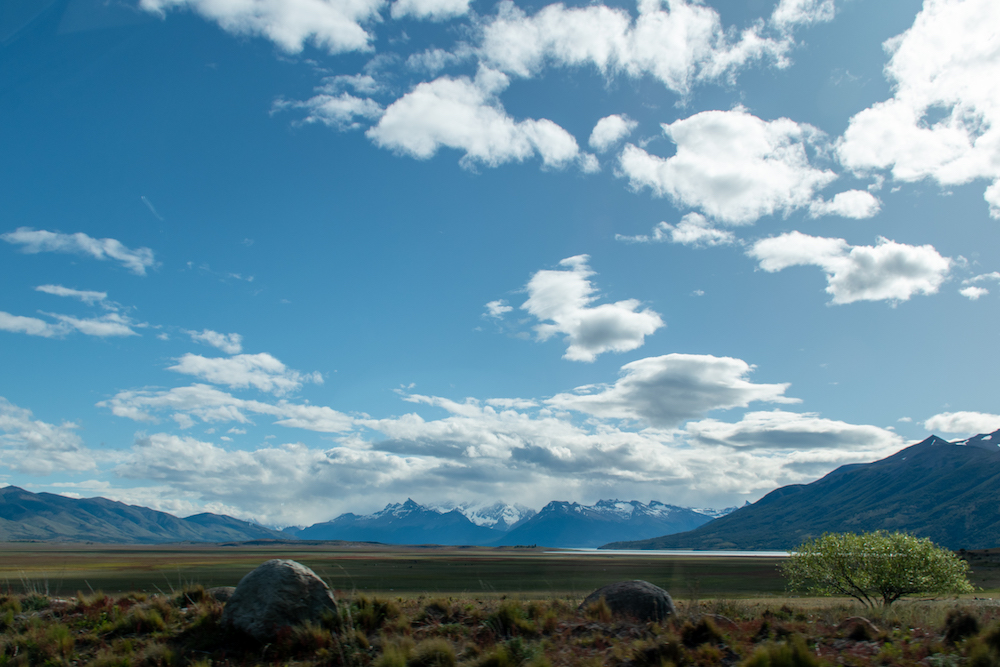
(452, 607)
(63, 569)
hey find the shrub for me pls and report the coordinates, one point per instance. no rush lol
(598, 611)
(875, 568)
(432, 653)
(702, 632)
(509, 620)
(370, 614)
(959, 625)
(793, 653)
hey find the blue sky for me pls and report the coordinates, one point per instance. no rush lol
(284, 259)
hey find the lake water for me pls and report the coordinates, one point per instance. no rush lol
(674, 552)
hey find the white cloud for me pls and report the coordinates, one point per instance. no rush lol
(484, 449)
(667, 390)
(87, 296)
(106, 326)
(945, 63)
(261, 371)
(433, 10)
(338, 111)
(435, 60)
(561, 300)
(610, 130)
(737, 168)
(497, 309)
(973, 293)
(679, 43)
(35, 241)
(211, 405)
(34, 447)
(231, 343)
(693, 229)
(466, 115)
(29, 325)
(334, 25)
(791, 13)
(886, 271)
(857, 204)
(966, 423)
(779, 430)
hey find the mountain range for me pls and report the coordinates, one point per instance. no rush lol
(49, 517)
(947, 491)
(558, 524)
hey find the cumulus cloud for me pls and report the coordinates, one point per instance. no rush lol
(483, 449)
(497, 309)
(88, 297)
(34, 447)
(334, 25)
(693, 229)
(973, 293)
(943, 121)
(667, 390)
(886, 271)
(562, 300)
(465, 114)
(679, 43)
(259, 482)
(231, 343)
(261, 371)
(737, 168)
(857, 204)
(610, 130)
(35, 241)
(966, 423)
(792, 13)
(211, 405)
(432, 10)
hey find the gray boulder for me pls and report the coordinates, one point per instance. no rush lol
(637, 599)
(279, 593)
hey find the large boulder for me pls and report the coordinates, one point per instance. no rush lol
(279, 593)
(637, 599)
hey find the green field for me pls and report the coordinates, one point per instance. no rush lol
(397, 571)
(64, 569)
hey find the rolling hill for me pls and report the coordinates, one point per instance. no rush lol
(947, 491)
(49, 517)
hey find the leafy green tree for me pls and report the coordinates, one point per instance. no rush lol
(875, 568)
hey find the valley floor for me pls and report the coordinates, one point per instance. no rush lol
(424, 607)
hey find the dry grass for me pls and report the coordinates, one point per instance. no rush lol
(183, 628)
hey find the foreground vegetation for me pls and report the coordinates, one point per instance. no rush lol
(183, 628)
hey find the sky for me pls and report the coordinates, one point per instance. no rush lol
(285, 259)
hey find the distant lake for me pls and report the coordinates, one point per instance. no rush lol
(673, 552)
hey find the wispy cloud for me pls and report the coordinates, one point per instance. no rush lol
(87, 296)
(231, 343)
(36, 241)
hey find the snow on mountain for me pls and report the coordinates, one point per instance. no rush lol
(498, 516)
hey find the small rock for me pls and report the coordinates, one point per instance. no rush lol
(279, 593)
(638, 599)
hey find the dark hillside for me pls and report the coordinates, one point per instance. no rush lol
(949, 492)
